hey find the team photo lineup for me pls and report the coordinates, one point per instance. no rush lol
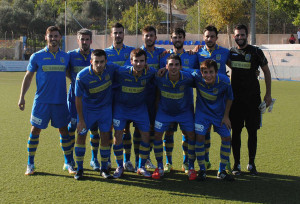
(153, 89)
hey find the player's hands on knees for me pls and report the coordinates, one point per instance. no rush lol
(21, 104)
(226, 121)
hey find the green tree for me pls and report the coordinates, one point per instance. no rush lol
(221, 13)
(291, 7)
(147, 15)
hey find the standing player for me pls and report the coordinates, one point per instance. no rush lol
(188, 61)
(94, 105)
(118, 54)
(244, 61)
(130, 105)
(214, 99)
(153, 58)
(220, 54)
(79, 59)
(50, 101)
(174, 106)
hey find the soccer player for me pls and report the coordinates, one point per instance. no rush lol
(94, 105)
(174, 106)
(118, 54)
(79, 59)
(244, 60)
(211, 50)
(188, 61)
(130, 105)
(50, 102)
(214, 99)
(153, 57)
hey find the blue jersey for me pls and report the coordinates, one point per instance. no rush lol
(120, 56)
(131, 92)
(77, 62)
(187, 60)
(173, 95)
(95, 89)
(50, 71)
(219, 54)
(210, 101)
(153, 58)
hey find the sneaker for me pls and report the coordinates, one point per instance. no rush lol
(79, 175)
(228, 168)
(128, 166)
(207, 165)
(168, 167)
(192, 174)
(201, 175)
(224, 176)
(68, 167)
(185, 167)
(252, 169)
(236, 170)
(95, 165)
(158, 173)
(144, 172)
(149, 164)
(105, 174)
(30, 169)
(119, 172)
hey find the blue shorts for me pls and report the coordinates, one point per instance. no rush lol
(72, 105)
(202, 125)
(42, 113)
(101, 117)
(138, 115)
(164, 120)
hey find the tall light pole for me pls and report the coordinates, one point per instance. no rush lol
(252, 22)
(136, 21)
(65, 25)
(168, 19)
(199, 30)
(106, 22)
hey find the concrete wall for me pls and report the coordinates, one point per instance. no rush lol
(99, 40)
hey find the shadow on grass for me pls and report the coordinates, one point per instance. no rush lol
(264, 188)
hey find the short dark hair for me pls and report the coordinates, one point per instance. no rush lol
(117, 25)
(211, 28)
(137, 53)
(53, 28)
(148, 29)
(99, 53)
(178, 31)
(241, 27)
(175, 57)
(85, 31)
(209, 63)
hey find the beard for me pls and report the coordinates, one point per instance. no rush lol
(241, 44)
(150, 44)
(178, 45)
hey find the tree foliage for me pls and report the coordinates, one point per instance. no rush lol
(291, 7)
(147, 15)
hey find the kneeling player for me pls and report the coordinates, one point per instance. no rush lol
(214, 99)
(94, 105)
(174, 106)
